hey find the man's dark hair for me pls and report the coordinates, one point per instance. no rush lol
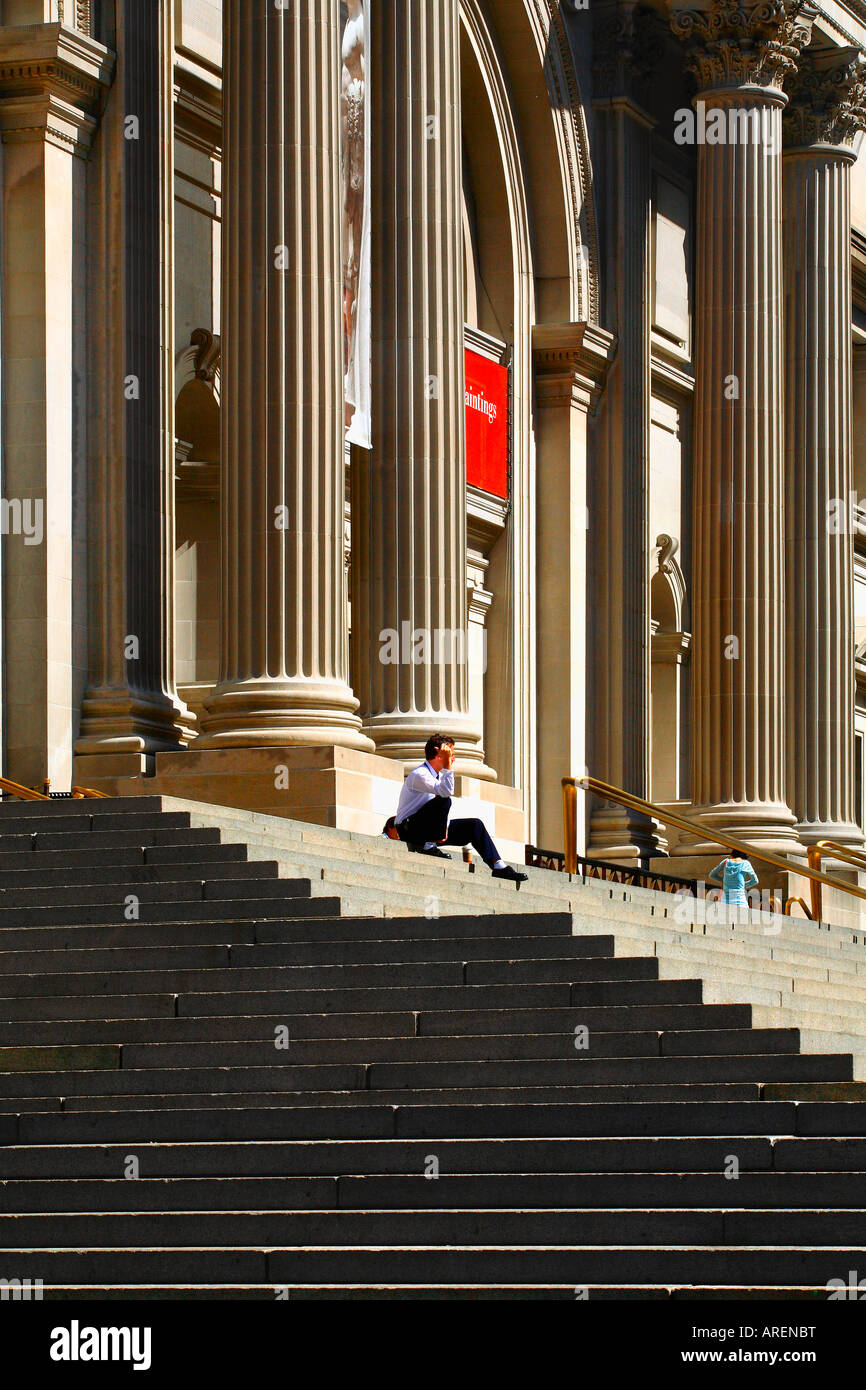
(390, 824)
(434, 743)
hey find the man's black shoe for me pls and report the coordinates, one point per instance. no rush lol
(433, 851)
(514, 874)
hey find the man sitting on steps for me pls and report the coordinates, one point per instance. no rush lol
(422, 814)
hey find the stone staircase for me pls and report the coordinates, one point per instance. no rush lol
(241, 1057)
(794, 973)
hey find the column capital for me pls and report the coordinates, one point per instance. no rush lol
(827, 101)
(571, 363)
(742, 43)
(52, 83)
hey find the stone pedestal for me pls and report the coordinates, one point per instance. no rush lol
(323, 785)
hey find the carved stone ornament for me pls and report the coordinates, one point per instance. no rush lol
(735, 44)
(827, 99)
(626, 49)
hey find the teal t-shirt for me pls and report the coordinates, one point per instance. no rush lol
(735, 875)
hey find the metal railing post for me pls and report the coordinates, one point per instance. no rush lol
(569, 823)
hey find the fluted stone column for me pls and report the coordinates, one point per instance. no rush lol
(826, 111)
(131, 708)
(625, 48)
(740, 54)
(284, 637)
(409, 491)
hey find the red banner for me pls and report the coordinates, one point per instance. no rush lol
(486, 424)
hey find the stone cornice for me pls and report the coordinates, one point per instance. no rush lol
(571, 362)
(197, 110)
(738, 43)
(486, 517)
(39, 60)
(827, 99)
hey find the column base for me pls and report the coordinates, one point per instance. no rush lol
(120, 721)
(403, 737)
(843, 832)
(766, 825)
(615, 833)
(281, 713)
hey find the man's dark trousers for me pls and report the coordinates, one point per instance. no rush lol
(430, 822)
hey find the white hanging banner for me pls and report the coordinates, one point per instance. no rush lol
(355, 170)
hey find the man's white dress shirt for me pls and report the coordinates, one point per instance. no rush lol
(421, 786)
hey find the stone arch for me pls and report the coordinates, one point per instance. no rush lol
(544, 90)
(502, 304)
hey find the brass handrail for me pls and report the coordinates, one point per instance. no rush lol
(23, 793)
(649, 808)
(30, 794)
(832, 848)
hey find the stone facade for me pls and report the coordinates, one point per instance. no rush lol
(653, 215)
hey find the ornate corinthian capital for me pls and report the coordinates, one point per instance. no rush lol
(736, 43)
(827, 99)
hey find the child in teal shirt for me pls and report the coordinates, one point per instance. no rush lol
(735, 874)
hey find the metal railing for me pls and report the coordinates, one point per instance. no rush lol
(630, 875)
(830, 849)
(21, 793)
(815, 875)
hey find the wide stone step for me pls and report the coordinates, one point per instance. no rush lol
(212, 909)
(217, 968)
(783, 1189)
(541, 1226)
(64, 841)
(57, 1146)
(482, 1048)
(429, 1263)
(13, 862)
(491, 956)
(393, 1076)
(627, 1094)
(32, 885)
(436, 1000)
(276, 926)
(449, 1192)
(23, 811)
(84, 822)
(164, 890)
(387, 1139)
